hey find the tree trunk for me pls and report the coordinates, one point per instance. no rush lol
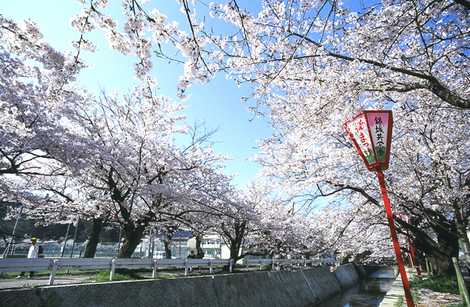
(93, 238)
(167, 244)
(441, 258)
(439, 252)
(461, 225)
(169, 231)
(235, 250)
(440, 264)
(199, 251)
(132, 237)
(236, 241)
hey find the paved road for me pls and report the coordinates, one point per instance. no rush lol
(40, 281)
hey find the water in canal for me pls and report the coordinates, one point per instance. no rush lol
(369, 292)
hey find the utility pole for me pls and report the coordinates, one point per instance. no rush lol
(75, 237)
(65, 241)
(13, 234)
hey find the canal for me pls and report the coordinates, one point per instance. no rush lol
(368, 293)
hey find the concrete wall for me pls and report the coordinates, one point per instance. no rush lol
(324, 283)
(270, 289)
(347, 275)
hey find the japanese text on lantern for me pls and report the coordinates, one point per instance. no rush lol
(378, 123)
(359, 130)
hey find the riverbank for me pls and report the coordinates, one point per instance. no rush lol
(274, 288)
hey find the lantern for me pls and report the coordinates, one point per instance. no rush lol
(371, 134)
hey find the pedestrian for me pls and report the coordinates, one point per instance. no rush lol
(33, 253)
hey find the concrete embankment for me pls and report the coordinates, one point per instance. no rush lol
(347, 276)
(284, 289)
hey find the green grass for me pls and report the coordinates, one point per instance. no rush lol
(8, 275)
(102, 276)
(444, 284)
(266, 267)
(165, 275)
(125, 274)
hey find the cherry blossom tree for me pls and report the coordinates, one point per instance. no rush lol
(129, 168)
(36, 93)
(138, 170)
(234, 225)
(40, 151)
(313, 64)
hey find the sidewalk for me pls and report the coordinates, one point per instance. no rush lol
(396, 294)
(43, 280)
(40, 281)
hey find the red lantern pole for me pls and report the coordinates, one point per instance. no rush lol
(410, 253)
(396, 245)
(413, 257)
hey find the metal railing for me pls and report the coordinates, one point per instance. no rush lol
(55, 264)
(276, 264)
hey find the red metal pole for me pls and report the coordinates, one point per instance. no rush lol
(413, 256)
(396, 245)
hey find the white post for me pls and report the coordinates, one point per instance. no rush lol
(273, 266)
(230, 268)
(54, 269)
(113, 268)
(210, 267)
(149, 251)
(305, 262)
(185, 267)
(154, 269)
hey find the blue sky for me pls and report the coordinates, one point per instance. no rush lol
(217, 103)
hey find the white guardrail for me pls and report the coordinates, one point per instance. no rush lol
(54, 264)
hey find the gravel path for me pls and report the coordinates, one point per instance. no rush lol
(429, 298)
